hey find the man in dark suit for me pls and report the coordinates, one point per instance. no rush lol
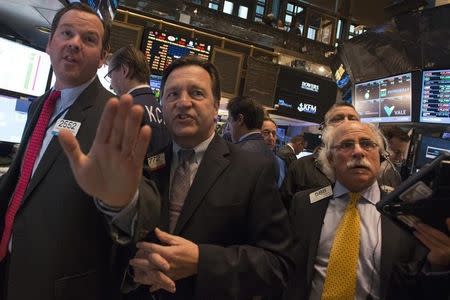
(228, 237)
(376, 259)
(55, 242)
(245, 118)
(129, 73)
(290, 151)
(269, 134)
(306, 172)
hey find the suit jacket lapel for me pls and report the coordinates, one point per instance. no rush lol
(77, 112)
(212, 165)
(162, 181)
(316, 215)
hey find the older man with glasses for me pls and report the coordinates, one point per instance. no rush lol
(349, 250)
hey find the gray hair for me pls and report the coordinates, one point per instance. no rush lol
(328, 140)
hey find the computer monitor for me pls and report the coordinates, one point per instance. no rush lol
(155, 85)
(429, 148)
(387, 99)
(13, 116)
(435, 100)
(24, 70)
(161, 48)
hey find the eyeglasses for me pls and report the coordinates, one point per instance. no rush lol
(107, 77)
(347, 146)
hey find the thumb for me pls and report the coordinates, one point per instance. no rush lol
(165, 237)
(71, 147)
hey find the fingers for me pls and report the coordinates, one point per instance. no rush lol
(142, 144)
(432, 236)
(71, 147)
(106, 121)
(131, 130)
(146, 274)
(166, 238)
(120, 121)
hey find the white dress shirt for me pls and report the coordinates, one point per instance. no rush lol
(368, 276)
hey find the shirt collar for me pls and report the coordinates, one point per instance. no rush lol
(138, 87)
(200, 150)
(248, 134)
(371, 194)
(292, 147)
(69, 95)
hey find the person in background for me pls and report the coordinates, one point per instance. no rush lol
(290, 151)
(306, 172)
(269, 134)
(216, 220)
(55, 243)
(349, 250)
(245, 118)
(280, 25)
(129, 73)
(393, 169)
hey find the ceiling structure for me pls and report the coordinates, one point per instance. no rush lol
(22, 17)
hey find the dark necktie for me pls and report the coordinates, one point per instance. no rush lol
(29, 158)
(181, 182)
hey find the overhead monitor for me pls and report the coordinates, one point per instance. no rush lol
(161, 48)
(430, 148)
(435, 100)
(302, 95)
(155, 85)
(386, 99)
(24, 70)
(13, 116)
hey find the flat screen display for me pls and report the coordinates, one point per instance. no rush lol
(385, 100)
(429, 149)
(24, 70)
(303, 96)
(435, 100)
(162, 48)
(155, 85)
(13, 116)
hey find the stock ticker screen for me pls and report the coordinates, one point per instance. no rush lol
(435, 102)
(162, 48)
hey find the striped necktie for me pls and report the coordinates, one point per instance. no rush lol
(181, 183)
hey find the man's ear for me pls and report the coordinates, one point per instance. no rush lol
(103, 56)
(240, 119)
(125, 70)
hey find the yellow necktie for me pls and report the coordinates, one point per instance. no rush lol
(340, 280)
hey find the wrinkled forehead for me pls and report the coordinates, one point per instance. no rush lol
(354, 131)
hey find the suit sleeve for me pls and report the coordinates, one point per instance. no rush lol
(262, 265)
(140, 217)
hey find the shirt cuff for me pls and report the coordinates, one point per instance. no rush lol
(121, 220)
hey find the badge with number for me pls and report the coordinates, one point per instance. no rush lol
(72, 126)
(156, 162)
